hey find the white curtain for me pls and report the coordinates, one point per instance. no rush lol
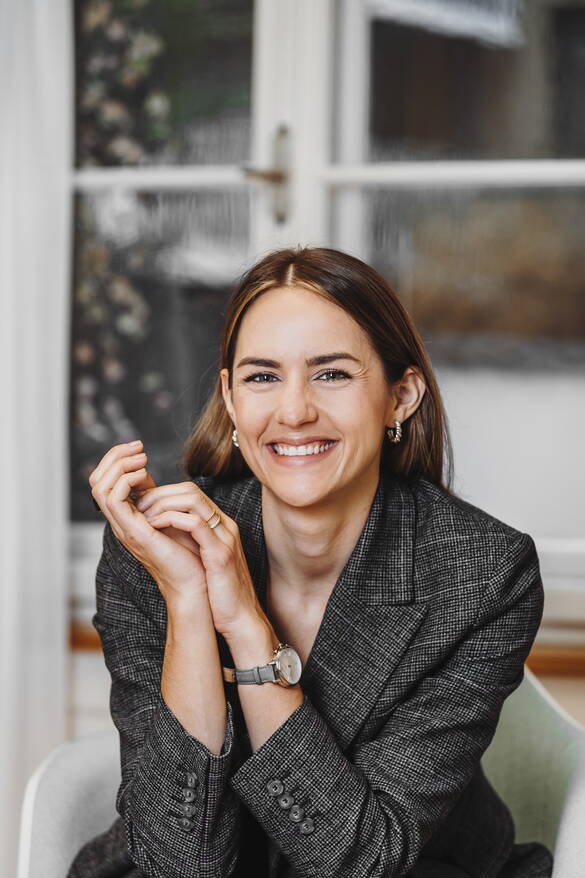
(35, 149)
(492, 22)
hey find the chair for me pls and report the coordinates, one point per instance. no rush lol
(536, 762)
(69, 798)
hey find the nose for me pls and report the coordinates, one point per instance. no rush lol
(295, 404)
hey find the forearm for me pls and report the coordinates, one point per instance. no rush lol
(181, 817)
(192, 681)
(265, 706)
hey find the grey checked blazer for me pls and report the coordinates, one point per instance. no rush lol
(424, 636)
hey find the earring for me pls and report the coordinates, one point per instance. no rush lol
(235, 437)
(394, 433)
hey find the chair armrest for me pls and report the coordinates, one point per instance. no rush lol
(569, 854)
(68, 799)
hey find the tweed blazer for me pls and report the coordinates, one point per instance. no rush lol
(423, 637)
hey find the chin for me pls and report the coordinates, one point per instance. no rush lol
(300, 494)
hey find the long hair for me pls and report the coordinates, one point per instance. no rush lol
(425, 448)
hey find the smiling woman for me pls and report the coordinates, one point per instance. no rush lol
(391, 618)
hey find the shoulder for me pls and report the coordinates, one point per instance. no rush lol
(448, 519)
(463, 543)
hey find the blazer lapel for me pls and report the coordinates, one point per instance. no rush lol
(371, 615)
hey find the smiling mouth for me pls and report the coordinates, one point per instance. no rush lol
(314, 450)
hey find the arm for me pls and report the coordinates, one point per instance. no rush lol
(373, 815)
(160, 753)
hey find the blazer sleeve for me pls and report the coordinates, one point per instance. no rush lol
(373, 815)
(180, 816)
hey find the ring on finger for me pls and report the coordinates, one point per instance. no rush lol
(216, 514)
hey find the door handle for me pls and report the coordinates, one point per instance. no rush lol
(277, 177)
(270, 175)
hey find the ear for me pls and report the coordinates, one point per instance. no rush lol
(227, 394)
(409, 393)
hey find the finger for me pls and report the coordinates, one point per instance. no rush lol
(149, 483)
(125, 515)
(149, 498)
(209, 539)
(183, 538)
(184, 497)
(178, 502)
(125, 450)
(109, 476)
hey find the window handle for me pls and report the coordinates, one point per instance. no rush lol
(277, 176)
(269, 175)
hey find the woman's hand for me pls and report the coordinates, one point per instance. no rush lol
(173, 563)
(230, 589)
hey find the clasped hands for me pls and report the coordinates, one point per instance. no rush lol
(165, 528)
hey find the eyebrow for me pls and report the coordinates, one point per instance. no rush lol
(311, 361)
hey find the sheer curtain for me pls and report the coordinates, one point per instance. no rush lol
(35, 143)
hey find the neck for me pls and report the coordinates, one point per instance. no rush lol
(308, 547)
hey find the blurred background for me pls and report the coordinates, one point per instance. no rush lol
(151, 150)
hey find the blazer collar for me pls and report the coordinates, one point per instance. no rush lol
(383, 552)
(372, 613)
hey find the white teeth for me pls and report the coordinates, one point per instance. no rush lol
(299, 450)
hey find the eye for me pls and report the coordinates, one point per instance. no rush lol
(259, 375)
(339, 373)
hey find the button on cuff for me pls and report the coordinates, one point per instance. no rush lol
(275, 787)
(296, 813)
(285, 800)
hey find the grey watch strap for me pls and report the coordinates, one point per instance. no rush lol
(263, 674)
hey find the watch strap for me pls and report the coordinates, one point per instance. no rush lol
(262, 674)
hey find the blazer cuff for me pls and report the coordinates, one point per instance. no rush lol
(175, 801)
(302, 759)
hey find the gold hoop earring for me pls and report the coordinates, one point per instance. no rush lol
(394, 433)
(235, 437)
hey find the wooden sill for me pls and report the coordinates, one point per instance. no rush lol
(544, 660)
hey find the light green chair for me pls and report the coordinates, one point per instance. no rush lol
(536, 762)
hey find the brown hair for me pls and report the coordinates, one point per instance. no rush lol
(367, 297)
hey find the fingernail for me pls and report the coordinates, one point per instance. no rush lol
(136, 443)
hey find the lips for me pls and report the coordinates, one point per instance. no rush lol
(307, 440)
(296, 459)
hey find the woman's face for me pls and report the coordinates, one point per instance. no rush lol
(295, 400)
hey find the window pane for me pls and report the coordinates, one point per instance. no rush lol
(491, 277)
(152, 276)
(163, 82)
(466, 79)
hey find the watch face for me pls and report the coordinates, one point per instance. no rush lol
(289, 665)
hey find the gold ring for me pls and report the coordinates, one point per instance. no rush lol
(215, 523)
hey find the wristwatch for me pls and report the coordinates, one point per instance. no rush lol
(284, 668)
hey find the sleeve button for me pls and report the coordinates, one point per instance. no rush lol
(191, 779)
(307, 826)
(186, 824)
(275, 787)
(187, 810)
(188, 794)
(285, 800)
(296, 813)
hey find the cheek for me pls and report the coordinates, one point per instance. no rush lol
(253, 413)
